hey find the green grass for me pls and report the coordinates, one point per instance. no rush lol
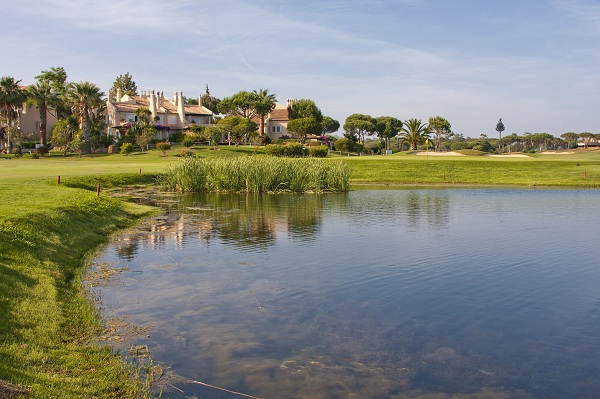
(578, 170)
(49, 324)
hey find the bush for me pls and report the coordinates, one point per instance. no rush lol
(41, 151)
(163, 147)
(126, 148)
(187, 142)
(186, 152)
(291, 150)
(344, 144)
(460, 145)
(17, 152)
(318, 152)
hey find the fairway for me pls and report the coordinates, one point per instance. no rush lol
(579, 169)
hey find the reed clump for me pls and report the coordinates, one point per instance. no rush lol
(257, 174)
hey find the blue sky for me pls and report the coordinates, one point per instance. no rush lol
(534, 63)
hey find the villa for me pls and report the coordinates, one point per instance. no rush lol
(169, 115)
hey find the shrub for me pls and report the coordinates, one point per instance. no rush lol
(126, 148)
(41, 151)
(187, 142)
(17, 152)
(318, 152)
(344, 144)
(290, 150)
(163, 147)
(186, 152)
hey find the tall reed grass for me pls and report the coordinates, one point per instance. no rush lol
(258, 174)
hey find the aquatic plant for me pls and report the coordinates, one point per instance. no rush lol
(258, 174)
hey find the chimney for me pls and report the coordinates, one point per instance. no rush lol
(175, 98)
(180, 109)
(152, 105)
(199, 100)
(118, 95)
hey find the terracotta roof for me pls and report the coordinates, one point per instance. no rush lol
(196, 110)
(279, 114)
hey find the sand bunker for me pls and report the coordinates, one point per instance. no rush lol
(507, 155)
(441, 154)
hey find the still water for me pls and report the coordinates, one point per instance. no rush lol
(463, 293)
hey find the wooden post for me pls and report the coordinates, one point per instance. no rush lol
(585, 174)
(140, 171)
(58, 180)
(98, 189)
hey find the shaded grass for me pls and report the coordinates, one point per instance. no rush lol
(49, 325)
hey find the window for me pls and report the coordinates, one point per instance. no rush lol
(172, 119)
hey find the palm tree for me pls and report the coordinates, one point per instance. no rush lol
(11, 99)
(143, 114)
(263, 104)
(42, 95)
(414, 132)
(84, 98)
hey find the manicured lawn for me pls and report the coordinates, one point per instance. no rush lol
(579, 170)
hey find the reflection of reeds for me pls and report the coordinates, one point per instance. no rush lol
(257, 174)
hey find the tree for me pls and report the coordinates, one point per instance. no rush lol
(263, 104)
(330, 125)
(43, 96)
(126, 84)
(11, 99)
(440, 127)
(304, 108)
(570, 138)
(143, 114)
(305, 118)
(143, 134)
(500, 127)
(84, 98)
(215, 134)
(57, 77)
(386, 128)
(240, 104)
(344, 144)
(358, 126)
(304, 126)
(414, 132)
(63, 133)
(239, 127)
(210, 102)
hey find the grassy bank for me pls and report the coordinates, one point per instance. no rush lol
(49, 325)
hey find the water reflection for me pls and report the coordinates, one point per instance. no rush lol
(253, 222)
(411, 294)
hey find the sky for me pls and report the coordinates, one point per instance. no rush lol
(533, 63)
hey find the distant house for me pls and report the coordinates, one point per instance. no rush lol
(28, 121)
(277, 120)
(169, 115)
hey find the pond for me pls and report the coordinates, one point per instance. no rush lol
(455, 293)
